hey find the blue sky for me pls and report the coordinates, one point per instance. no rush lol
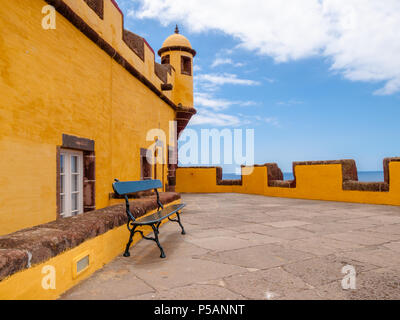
(315, 95)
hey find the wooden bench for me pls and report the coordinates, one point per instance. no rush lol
(154, 220)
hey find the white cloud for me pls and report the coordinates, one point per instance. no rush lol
(207, 100)
(272, 121)
(224, 61)
(247, 103)
(209, 111)
(360, 37)
(221, 61)
(204, 117)
(269, 80)
(289, 102)
(250, 119)
(225, 78)
(211, 82)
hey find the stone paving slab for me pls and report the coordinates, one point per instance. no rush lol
(115, 280)
(379, 256)
(255, 247)
(359, 237)
(221, 243)
(321, 246)
(181, 272)
(258, 238)
(292, 233)
(259, 257)
(393, 245)
(192, 292)
(287, 224)
(274, 282)
(323, 270)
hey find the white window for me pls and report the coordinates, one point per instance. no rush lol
(71, 180)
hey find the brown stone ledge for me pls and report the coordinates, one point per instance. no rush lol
(366, 186)
(386, 162)
(134, 42)
(38, 244)
(275, 176)
(183, 116)
(12, 261)
(97, 6)
(167, 87)
(349, 168)
(221, 182)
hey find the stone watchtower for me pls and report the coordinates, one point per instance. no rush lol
(177, 52)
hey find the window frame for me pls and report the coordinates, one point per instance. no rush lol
(166, 59)
(66, 185)
(145, 166)
(186, 61)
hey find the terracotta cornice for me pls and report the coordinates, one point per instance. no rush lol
(177, 48)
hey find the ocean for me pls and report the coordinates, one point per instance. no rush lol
(364, 176)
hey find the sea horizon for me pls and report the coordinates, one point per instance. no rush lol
(363, 176)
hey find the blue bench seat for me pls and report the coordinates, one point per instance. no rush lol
(160, 215)
(154, 220)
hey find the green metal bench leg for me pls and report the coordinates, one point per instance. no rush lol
(179, 221)
(156, 232)
(127, 253)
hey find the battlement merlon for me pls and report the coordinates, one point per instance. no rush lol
(103, 22)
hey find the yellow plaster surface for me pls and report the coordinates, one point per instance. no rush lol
(315, 182)
(55, 82)
(27, 284)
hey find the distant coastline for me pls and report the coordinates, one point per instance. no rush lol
(364, 176)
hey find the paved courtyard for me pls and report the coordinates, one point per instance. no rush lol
(255, 247)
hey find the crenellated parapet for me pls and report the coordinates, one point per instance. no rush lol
(103, 22)
(335, 180)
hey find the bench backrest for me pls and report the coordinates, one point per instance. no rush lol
(127, 187)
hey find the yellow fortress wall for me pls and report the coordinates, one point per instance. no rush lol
(28, 284)
(55, 82)
(315, 181)
(87, 86)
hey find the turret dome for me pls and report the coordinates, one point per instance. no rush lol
(177, 42)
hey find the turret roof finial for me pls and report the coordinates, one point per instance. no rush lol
(177, 29)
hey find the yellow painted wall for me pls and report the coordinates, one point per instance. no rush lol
(27, 284)
(110, 29)
(55, 82)
(317, 182)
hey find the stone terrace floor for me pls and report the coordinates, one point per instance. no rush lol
(255, 247)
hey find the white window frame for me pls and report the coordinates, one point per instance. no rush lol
(66, 209)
